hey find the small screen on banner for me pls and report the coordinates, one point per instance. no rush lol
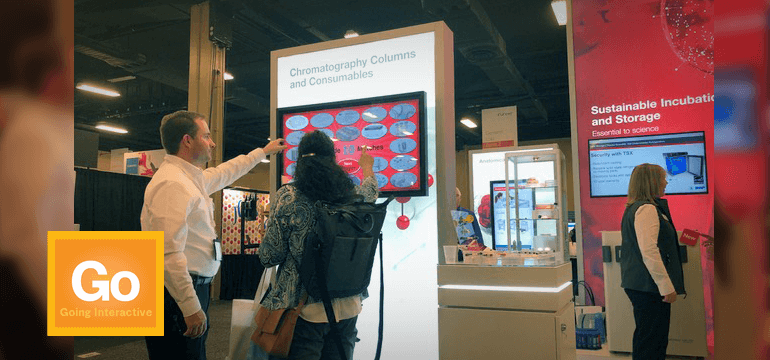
(682, 155)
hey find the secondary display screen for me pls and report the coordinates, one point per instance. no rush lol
(392, 127)
(681, 154)
(497, 200)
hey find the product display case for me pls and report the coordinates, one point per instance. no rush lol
(522, 281)
(531, 222)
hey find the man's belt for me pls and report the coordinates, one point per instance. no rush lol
(200, 280)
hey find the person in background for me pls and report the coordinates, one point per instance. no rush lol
(177, 201)
(37, 176)
(651, 268)
(469, 215)
(318, 177)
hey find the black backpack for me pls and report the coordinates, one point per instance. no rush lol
(339, 254)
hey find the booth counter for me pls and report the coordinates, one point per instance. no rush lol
(506, 312)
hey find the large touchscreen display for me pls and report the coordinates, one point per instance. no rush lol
(392, 127)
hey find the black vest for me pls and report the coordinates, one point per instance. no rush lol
(633, 273)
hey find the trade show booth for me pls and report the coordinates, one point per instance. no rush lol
(642, 91)
(391, 91)
(515, 286)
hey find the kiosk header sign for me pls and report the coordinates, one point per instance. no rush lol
(499, 127)
(378, 68)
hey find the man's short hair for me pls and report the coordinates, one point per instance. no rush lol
(174, 126)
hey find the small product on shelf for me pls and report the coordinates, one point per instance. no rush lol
(475, 246)
(545, 212)
(470, 257)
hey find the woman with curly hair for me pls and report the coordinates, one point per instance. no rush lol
(317, 177)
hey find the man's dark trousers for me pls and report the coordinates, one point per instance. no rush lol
(174, 345)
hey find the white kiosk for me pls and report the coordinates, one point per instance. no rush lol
(506, 312)
(515, 303)
(413, 59)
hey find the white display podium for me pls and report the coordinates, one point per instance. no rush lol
(687, 335)
(506, 312)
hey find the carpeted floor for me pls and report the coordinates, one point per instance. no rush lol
(220, 312)
(129, 347)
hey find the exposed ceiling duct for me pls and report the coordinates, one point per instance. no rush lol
(476, 37)
(157, 68)
(109, 54)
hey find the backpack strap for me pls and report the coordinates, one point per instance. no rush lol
(321, 271)
(382, 299)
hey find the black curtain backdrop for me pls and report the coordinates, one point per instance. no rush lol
(106, 201)
(240, 276)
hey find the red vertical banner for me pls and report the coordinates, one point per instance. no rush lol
(644, 93)
(741, 114)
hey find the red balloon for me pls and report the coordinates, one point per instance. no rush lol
(485, 212)
(402, 222)
(430, 180)
(404, 199)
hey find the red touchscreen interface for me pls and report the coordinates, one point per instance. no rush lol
(391, 130)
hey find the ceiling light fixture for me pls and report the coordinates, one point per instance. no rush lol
(228, 76)
(97, 90)
(468, 123)
(350, 34)
(112, 129)
(560, 11)
(265, 160)
(122, 78)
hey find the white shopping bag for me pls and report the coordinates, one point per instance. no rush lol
(242, 322)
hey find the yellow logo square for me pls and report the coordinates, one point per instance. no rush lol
(105, 283)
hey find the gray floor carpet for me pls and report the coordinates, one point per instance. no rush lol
(129, 347)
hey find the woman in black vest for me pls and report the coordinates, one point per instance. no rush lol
(651, 270)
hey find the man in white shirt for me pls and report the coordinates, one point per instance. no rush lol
(177, 201)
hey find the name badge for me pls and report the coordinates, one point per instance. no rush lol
(217, 250)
